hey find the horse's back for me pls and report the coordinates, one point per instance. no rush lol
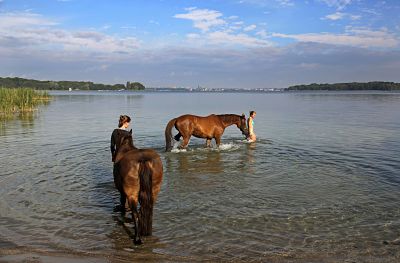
(198, 126)
(138, 159)
(200, 120)
(133, 159)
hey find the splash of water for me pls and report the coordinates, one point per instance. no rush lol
(222, 147)
(175, 148)
(228, 147)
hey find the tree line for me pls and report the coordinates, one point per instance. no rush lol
(375, 85)
(65, 85)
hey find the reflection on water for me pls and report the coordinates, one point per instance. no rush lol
(22, 120)
(195, 162)
(251, 159)
(319, 185)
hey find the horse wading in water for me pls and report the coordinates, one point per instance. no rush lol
(209, 127)
(138, 177)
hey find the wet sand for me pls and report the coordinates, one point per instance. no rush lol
(25, 255)
(9, 254)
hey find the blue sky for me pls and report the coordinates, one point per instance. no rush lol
(216, 43)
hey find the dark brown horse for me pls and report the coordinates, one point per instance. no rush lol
(212, 126)
(137, 176)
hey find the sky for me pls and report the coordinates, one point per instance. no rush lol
(246, 44)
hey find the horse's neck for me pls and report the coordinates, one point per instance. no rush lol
(228, 119)
(123, 150)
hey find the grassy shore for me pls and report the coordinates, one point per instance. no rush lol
(21, 100)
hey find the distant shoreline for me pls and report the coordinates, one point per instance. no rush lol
(49, 85)
(351, 86)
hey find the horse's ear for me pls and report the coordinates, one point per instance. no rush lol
(130, 132)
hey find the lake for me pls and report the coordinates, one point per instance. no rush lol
(321, 184)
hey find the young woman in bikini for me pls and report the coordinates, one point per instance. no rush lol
(250, 124)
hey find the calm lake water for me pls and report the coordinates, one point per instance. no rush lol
(321, 184)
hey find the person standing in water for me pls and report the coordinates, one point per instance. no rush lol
(250, 125)
(116, 136)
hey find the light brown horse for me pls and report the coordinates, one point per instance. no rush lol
(212, 126)
(137, 176)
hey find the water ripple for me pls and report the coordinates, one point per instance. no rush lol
(314, 187)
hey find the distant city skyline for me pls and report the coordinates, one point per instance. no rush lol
(247, 44)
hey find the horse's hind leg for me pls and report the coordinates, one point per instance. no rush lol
(133, 203)
(122, 200)
(178, 137)
(185, 142)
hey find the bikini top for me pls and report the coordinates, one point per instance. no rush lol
(252, 121)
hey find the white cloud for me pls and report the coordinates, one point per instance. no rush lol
(224, 38)
(340, 15)
(358, 37)
(370, 12)
(355, 17)
(285, 2)
(262, 33)
(264, 3)
(250, 28)
(335, 16)
(217, 31)
(30, 32)
(203, 19)
(338, 4)
(16, 20)
(154, 22)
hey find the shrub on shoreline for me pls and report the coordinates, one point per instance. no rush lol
(21, 100)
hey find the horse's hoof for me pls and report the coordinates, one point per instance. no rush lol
(138, 242)
(119, 208)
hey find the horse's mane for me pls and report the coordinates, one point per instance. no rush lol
(127, 142)
(228, 117)
(124, 146)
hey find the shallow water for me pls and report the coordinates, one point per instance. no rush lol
(320, 184)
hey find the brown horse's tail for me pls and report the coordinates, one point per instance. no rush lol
(146, 199)
(168, 135)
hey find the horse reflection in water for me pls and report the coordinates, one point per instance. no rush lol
(212, 126)
(195, 163)
(138, 177)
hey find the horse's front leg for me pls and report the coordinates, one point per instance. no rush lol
(118, 185)
(208, 143)
(218, 140)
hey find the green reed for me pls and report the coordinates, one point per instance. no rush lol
(21, 99)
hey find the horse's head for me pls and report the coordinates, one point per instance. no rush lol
(126, 140)
(242, 125)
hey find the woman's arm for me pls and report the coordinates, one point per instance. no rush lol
(112, 145)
